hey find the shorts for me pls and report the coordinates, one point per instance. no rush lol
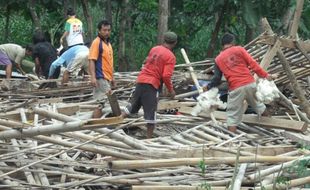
(4, 59)
(145, 95)
(79, 61)
(235, 103)
(103, 87)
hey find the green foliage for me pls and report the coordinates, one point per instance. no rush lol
(193, 21)
(205, 185)
(202, 165)
(282, 180)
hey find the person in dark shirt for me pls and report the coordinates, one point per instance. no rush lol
(44, 54)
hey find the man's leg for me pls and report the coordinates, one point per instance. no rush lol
(65, 77)
(149, 104)
(235, 109)
(8, 71)
(150, 129)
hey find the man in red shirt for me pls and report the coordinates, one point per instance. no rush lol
(237, 64)
(158, 69)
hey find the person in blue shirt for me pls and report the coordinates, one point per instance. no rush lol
(73, 59)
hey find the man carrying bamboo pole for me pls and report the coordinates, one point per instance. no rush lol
(158, 69)
(237, 64)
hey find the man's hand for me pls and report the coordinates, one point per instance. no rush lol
(172, 94)
(205, 88)
(93, 81)
(272, 77)
(113, 84)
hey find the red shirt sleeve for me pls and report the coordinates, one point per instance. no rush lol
(168, 71)
(254, 66)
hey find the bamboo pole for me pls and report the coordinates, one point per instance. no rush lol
(179, 187)
(42, 130)
(239, 177)
(139, 164)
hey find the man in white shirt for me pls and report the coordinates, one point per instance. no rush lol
(13, 53)
(73, 30)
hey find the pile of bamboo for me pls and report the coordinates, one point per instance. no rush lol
(49, 138)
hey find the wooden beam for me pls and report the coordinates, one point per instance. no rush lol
(285, 42)
(265, 122)
(296, 20)
(272, 51)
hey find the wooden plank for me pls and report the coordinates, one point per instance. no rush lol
(164, 105)
(116, 110)
(254, 120)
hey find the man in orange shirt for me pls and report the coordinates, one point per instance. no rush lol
(101, 61)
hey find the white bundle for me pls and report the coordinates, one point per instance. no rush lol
(267, 91)
(208, 101)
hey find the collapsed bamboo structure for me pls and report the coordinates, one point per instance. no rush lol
(50, 140)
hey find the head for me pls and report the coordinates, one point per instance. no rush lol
(70, 12)
(104, 29)
(170, 38)
(29, 49)
(228, 39)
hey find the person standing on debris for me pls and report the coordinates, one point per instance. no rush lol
(101, 61)
(73, 59)
(13, 53)
(73, 30)
(158, 69)
(237, 64)
(43, 54)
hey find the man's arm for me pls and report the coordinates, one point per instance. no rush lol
(37, 66)
(18, 61)
(254, 66)
(216, 79)
(91, 65)
(65, 34)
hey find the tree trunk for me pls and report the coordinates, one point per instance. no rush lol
(286, 20)
(66, 6)
(34, 16)
(108, 11)
(163, 12)
(88, 17)
(7, 24)
(122, 58)
(216, 30)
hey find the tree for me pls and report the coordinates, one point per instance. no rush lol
(122, 57)
(89, 20)
(34, 15)
(163, 14)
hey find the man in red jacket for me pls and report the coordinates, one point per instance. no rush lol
(237, 64)
(158, 69)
